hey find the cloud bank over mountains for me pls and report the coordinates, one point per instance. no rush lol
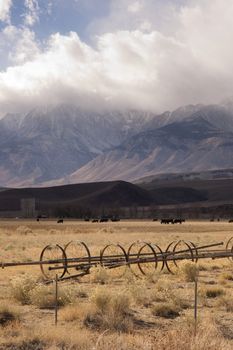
(149, 55)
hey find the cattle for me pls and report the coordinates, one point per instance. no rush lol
(166, 221)
(95, 220)
(60, 221)
(172, 221)
(103, 220)
(177, 221)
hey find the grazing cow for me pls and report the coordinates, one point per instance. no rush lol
(166, 221)
(95, 220)
(172, 221)
(103, 220)
(231, 220)
(177, 221)
(60, 221)
(155, 220)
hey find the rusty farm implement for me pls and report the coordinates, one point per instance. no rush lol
(142, 258)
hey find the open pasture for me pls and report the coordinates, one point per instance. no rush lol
(104, 310)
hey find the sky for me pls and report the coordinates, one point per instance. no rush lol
(153, 55)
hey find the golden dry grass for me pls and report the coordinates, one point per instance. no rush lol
(103, 304)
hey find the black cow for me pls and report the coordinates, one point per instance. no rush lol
(103, 220)
(166, 221)
(60, 221)
(177, 221)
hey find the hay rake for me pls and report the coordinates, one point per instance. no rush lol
(142, 258)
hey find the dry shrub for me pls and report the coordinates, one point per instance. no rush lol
(215, 267)
(57, 338)
(202, 266)
(100, 275)
(165, 286)
(158, 296)
(153, 277)
(27, 344)
(110, 311)
(212, 292)
(166, 310)
(70, 313)
(143, 295)
(139, 293)
(22, 286)
(23, 230)
(80, 292)
(179, 302)
(129, 277)
(43, 296)
(183, 338)
(7, 315)
(177, 337)
(226, 277)
(189, 271)
(226, 302)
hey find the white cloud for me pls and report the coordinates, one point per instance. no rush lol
(23, 44)
(133, 14)
(147, 69)
(5, 6)
(135, 6)
(32, 14)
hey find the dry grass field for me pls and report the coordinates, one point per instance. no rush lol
(105, 311)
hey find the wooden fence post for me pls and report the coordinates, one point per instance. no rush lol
(195, 305)
(56, 299)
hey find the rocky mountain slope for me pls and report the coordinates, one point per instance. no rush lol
(63, 144)
(193, 144)
(47, 144)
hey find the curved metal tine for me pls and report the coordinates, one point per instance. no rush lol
(133, 258)
(230, 242)
(143, 260)
(166, 255)
(175, 253)
(161, 255)
(195, 249)
(76, 251)
(50, 253)
(116, 259)
(189, 248)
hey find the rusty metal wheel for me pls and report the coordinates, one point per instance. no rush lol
(229, 247)
(53, 261)
(172, 255)
(142, 258)
(160, 256)
(78, 256)
(194, 249)
(147, 259)
(114, 257)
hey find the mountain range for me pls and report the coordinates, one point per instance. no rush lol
(64, 144)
